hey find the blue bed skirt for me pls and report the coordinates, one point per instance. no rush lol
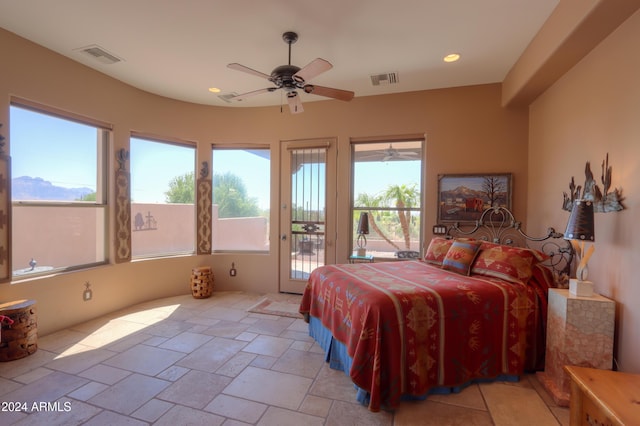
(338, 358)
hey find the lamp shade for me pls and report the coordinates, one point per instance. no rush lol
(363, 223)
(580, 225)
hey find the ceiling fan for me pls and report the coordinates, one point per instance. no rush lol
(292, 78)
(390, 154)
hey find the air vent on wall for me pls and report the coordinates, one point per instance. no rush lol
(98, 53)
(384, 79)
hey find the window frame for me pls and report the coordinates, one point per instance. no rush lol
(422, 187)
(245, 147)
(175, 142)
(104, 136)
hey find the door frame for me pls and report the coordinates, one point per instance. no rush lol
(285, 283)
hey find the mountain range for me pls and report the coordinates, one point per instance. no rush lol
(25, 188)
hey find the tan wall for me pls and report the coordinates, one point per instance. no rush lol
(466, 131)
(593, 110)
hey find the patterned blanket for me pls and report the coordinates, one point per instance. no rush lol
(409, 326)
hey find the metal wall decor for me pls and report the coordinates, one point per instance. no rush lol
(604, 200)
(203, 203)
(5, 213)
(123, 208)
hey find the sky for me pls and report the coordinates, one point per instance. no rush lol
(63, 153)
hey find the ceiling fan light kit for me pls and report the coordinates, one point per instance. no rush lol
(292, 78)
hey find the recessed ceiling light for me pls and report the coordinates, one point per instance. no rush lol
(452, 57)
(214, 90)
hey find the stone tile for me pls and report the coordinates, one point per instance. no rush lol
(88, 391)
(112, 332)
(145, 359)
(173, 373)
(268, 345)
(236, 364)
(18, 367)
(271, 325)
(270, 387)
(507, 403)
(222, 313)
(130, 393)
(195, 389)
(105, 374)
(152, 410)
(333, 384)
(305, 364)
(429, 413)
(264, 361)
(469, 397)
(80, 361)
(342, 413)
(236, 408)
(179, 415)
(7, 386)
(109, 418)
(229, 329)
(186, 342)
(49, 388)
(316, 406)
(31, 376)
(70, 412)
(61, 340)
(246, 336)
(212, 355)
(280, 417)
(168, 328)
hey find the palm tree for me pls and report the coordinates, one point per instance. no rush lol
(366, 200)
(404, 196)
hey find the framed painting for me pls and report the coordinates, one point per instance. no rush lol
(463, 197)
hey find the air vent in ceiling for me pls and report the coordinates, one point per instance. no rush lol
(384, 79)
(228, 96)
(98, 53)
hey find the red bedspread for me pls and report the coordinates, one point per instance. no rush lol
(409, 326)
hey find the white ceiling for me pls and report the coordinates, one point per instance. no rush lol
(179, 49)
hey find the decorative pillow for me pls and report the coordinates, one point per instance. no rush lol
(513, 264)
(437, 250)
(460, 256)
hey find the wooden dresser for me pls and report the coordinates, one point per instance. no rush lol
(603, 397)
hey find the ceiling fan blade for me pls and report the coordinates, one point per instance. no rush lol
(295, 105)
(342, 95)
(312, 69)
(248, 70)
(253, 93)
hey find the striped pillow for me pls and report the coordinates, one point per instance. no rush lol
(460, 256)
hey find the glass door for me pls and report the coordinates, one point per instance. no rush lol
(307, 224)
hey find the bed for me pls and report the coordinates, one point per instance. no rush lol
(474, 308)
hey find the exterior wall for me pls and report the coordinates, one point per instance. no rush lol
(590, 112)
(466, 130)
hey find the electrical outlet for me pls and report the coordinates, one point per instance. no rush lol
(232, 271)
(88, 293)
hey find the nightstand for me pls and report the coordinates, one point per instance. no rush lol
(579, 332)
(360, 259)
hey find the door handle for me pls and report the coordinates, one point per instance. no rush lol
(283, 237)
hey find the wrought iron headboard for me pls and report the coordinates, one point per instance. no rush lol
(498, 225)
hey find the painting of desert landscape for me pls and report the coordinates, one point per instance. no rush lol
(463, 198)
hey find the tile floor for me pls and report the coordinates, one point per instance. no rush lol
(181, 360)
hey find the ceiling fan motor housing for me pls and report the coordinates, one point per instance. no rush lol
(282, 76)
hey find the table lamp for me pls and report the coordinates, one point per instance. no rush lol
(579, 231)
(363, 229)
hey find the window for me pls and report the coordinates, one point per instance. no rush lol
(241, 199)
(162, 198)
(58, 191)
(387, 185)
